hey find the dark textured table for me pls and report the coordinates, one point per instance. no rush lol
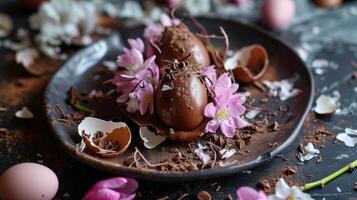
(318, 33)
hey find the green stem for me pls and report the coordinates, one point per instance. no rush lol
(82, 108)
(330, 177)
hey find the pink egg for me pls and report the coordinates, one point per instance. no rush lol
(28, 181)
(277, 14)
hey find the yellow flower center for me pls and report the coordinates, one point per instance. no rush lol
(147, 98)
(222, 114)
(291, 197)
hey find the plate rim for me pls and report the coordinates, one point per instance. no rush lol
(154, 175)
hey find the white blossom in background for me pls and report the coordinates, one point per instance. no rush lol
(349, 137)
(60, 21)
(27, 56)
(284, 192)
(311, 152)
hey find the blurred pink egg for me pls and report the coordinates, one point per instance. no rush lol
(276, 14)
(28, 181)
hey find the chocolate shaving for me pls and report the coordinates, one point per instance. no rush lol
(204, 195)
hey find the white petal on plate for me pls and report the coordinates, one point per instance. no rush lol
(349, 137)
(205, 158)
(24, 113)
(311, 152)
(227, 153)
(26, 57)
(166, 87)
(6, 25)
(252, 113)
(284, 89)
(241, 57)
(151, 139)
(326, 105)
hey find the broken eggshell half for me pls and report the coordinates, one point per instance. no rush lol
(248, 64)
(105, 138)
(326, 105)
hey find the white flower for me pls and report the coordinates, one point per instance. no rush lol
(195, 7)
(59, 21)
(205, 158)
(349, 137)
(133, 103)
(26, 56)
(311, 152)
(284, 192)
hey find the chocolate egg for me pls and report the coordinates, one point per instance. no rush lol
(181, 98)
(178, 42)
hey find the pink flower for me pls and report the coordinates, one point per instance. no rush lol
(136, 44)
(248, 193)
(224, 83)
(146, 98)
(210, 77)
(131, 59)
(167, 21)
(226, 109)
(153, 30)
(238, 2)
(119, 188)
(125, 84)
(150, 73)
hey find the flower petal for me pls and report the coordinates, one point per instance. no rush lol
(212, 126)
(210, 110)
(248, 193)
(227, 129)
(282, 189)
(102, 194)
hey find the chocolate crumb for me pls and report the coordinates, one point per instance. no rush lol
(264, 100)
(264, 185)
(274, 126)
(163, 198)
(183, 196)
(3, 130)
(72, 96)
(260, 86)
(3, 109)
(204, 195)
(290, 170)
(229, 197)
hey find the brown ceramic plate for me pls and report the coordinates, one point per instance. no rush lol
(78, 71)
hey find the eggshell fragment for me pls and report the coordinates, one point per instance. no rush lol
(24, 113)
(150, 138)
(106, 138)
(28, 181)
(326, 105)
(248, 64)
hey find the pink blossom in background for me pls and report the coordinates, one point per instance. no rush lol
(146, 98)
(238, 1)
(248, 193)
(154, 30)
(136, 44)
(119, 188)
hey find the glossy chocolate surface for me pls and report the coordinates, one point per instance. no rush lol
(181, 98)
(178, 42)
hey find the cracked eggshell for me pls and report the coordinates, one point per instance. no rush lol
(150, 138)
(326, 105)
(248, 64)
(117, 132)
(24, 113)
